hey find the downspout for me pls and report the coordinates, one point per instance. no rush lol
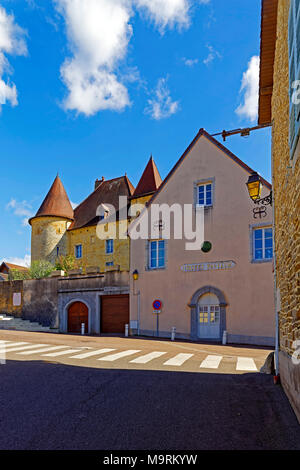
(275, 267)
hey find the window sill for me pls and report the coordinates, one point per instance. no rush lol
(261, 261)
(198, 206)
(155, 269)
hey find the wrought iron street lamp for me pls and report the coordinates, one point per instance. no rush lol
(135, 275)
(254, 188)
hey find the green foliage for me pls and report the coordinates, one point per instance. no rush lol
(15, 275)
(65, 263)
(40, 269)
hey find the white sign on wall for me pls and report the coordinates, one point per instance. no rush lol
(17, 299)
(215, 266)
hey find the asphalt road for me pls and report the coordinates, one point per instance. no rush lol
(56, 405)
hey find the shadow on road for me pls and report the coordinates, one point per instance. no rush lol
(57, 406)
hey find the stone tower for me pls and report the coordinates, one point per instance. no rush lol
(49, 225)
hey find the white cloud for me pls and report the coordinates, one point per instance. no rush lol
(166, 13)
(98, 34)
(161, 105)
(26, 261)
(212, 55)
(11, 42)
(73, 204)
(250, 87)
(190, 62)
(20, 209)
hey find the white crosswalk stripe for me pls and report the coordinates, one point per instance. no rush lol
(6, 346)
(211, 362)
(38, 351)
(114, 357)
(178, 360)
(148, 357)
(246, 364)
(22, 348)
(92, 353)
(6, 342)
(61, 353)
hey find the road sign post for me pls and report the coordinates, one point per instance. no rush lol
(157, 306)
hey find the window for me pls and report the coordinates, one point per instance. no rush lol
(78, 251)
(294, 72)
(109, 246)
(204, 195)
(156, 254)
(263, 244)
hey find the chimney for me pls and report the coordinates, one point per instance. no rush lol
(98, 182)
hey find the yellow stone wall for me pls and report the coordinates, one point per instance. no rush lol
(46, 234)
(286, 187)
(93, 247)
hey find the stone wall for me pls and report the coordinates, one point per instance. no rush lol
(93, 247)
(7, 291)
(40, 301)
(44, 300)
(48, 234)
(286, 184)
(286, 187)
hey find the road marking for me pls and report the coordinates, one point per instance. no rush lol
(22, 348)
(148, 357)
(1, 342)
(246, 363)
(92, 353)
(211, 362)
(178, 360)
(114, 357)
(52, 348)
(13, 344)
(61, 353)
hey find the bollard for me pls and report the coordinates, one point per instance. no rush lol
(126, 330)
(224, 340)
(173, 333)
(82, 328)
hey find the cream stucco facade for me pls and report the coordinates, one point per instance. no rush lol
(243, 287)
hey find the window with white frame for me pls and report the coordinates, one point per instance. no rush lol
(157, 255)
(109, 246)
(78, 251)
(262, 243)
(204, 194)
(294, 73)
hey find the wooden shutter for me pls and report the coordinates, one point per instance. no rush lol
(294, 71)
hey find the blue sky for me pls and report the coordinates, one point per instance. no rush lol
(91, 88)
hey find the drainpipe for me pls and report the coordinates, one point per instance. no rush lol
(138, 295)
(275, 271)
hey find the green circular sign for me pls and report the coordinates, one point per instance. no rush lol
(206, 247)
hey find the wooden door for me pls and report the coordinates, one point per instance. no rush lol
(114, 313)
(78, 313)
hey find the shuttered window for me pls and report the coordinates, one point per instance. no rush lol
(294, 73)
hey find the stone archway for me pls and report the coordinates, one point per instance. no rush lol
(194, 309)
(77, 313)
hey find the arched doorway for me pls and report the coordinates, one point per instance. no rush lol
(208, 314)
(78, 313)
(209, 317)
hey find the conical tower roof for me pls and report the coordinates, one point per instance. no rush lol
(150, 180)
(56, 203)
